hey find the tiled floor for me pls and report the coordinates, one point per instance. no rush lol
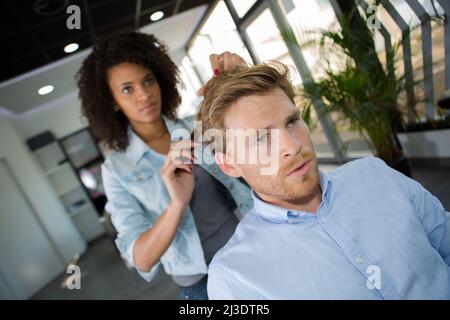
(105, 276)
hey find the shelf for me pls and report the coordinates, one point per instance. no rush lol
(68, 189)
(46, 148)
(57, 165)
(50, 156)
(90, 162)
(64, 165)
(81, 209)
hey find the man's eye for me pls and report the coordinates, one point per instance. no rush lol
(294, 121)
(262, 138)
(127, 90)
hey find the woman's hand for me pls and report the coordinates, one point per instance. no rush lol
(223, 62)
(177, 172)
(226, 61)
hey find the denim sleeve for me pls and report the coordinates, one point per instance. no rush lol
(435, 220)
(127, 216)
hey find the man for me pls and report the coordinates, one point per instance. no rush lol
(364, 231)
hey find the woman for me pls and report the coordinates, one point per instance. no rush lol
(170, 213)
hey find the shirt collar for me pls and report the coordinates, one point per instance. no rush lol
(137, 148)
(278, 214)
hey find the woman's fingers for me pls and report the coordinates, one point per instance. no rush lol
(226, 61)
(169, 167)
(214, 61)
(182, 152)
(201, 91)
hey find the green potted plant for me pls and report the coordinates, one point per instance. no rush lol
(357, 88)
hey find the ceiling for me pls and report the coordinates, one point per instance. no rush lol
(35, 56)
(36, 33)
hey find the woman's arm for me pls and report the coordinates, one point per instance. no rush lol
(179, 180)
(152, 244)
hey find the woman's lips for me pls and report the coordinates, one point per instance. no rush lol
(148, 108)
(300, 171)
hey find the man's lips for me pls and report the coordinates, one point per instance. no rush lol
(301, 169)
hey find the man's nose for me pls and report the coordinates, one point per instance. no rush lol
(290, 144)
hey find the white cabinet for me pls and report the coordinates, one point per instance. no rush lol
(28, 258)
(67, 186)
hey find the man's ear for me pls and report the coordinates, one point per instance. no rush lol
(226, 166)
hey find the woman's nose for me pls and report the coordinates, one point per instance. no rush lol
(144, 93)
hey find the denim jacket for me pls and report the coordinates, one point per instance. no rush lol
(137, 196)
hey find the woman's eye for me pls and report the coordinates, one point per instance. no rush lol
(127, 90)
(150, 81)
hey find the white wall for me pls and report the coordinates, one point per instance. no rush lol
(177, 55)
(40, 194)
(426, 144)
(62, 117)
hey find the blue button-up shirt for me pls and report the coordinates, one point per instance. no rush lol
(376, 235)
(137, 196)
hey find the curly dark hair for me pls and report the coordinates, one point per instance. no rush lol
(126, 45)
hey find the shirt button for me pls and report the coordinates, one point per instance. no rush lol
(291, 214)
(359, 260)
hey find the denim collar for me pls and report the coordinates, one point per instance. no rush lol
(278, 214)
(137, 148)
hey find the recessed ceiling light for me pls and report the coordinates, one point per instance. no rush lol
(71, 47)
(155, 16)
(45, 90)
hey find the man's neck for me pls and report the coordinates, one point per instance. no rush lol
(308, 203)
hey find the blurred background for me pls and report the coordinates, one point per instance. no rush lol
(51, 194)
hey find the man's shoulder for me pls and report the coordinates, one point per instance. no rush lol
(367, 165)
(367, 175)
(238, 245)
(370, 161)
(227, 264)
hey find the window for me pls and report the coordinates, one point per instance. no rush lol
(303, 19)
(188, 87)
(219, 34)
(268, 42)
(242, 6)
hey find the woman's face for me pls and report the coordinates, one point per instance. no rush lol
(136, 92)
